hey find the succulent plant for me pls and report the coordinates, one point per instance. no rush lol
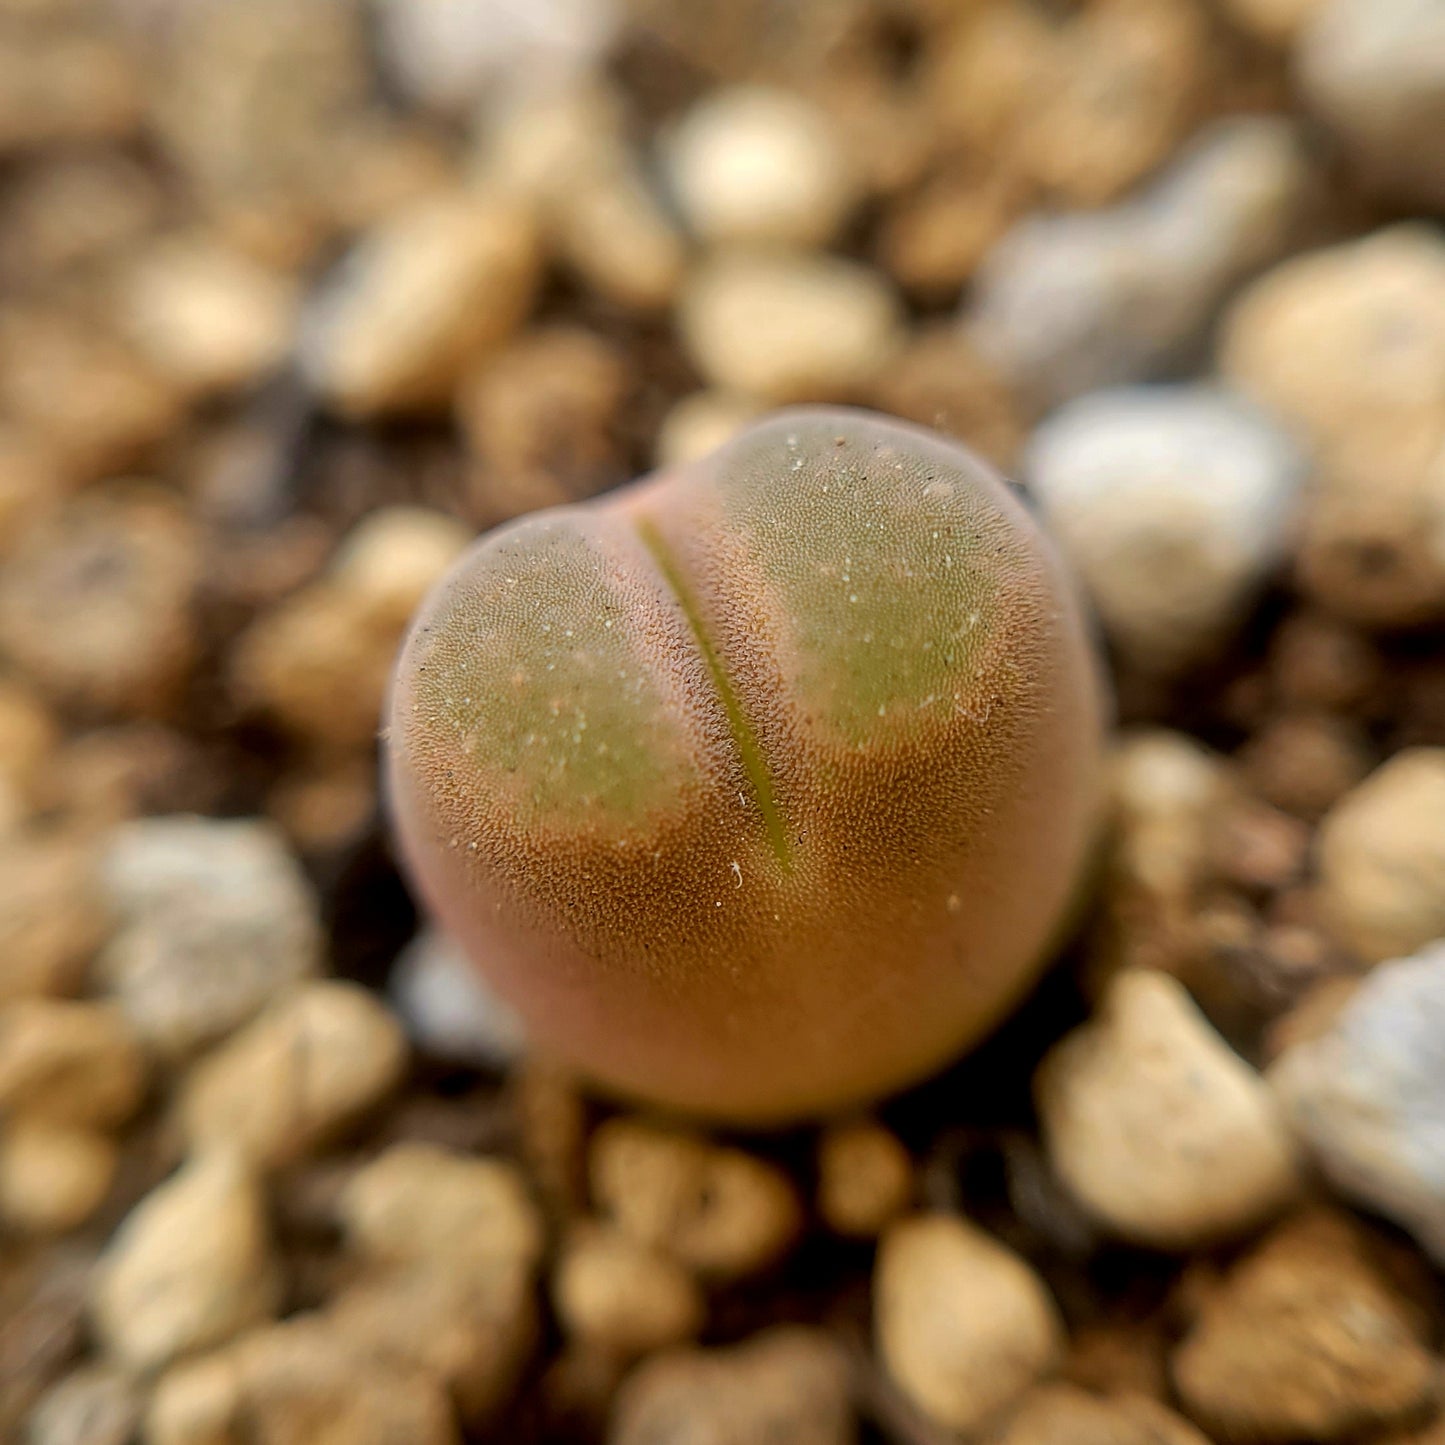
(760, 786)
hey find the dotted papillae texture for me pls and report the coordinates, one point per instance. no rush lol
(760, 786)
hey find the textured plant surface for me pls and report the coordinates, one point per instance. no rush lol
(759, 786)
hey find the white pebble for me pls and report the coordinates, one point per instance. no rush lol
(1174, 504)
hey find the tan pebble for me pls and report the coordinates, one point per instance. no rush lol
(1157, 1127)
(1305, 1340)
(319, 662)
(789, 328)
(1306, 762)
(96, 605)
(1346, 342)
(622, 1297)
(93, 1405)
(471, 1330)
(752, 164)
(190, 1267)
(960, 1366)
(1277, 22)
(1317, 661)
(788, 1383)
(1381, 853)
(98, 408)
(52, 1177)
(542, 421)
(296, 1076)
(1259, 848)
(28, 741)
(700, 423)
(66, 83)
(720, 1211)
(1067, 1415)
(420, 299)
(54, 915)
(33, 483)
(865, 1178)
(417, 1202)
(933, 240)
(325, 809)
(300, 1381)
(68, 1062)
(204, 314)
(940, 381)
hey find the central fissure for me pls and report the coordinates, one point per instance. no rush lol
(744, 739)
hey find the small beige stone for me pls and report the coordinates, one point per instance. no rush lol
(963, 1325)
(623, 1297)
(1304, 1340)
(421, 298)
(789, 328)
(700, 423)
(69, 1062)
(296, 1076)
(298, 1382)
(94, 1405)
(205, 314)
(473, 1329)
(1157, 1127)
(320, 660)
(1276, 22)
(54, 915)
(786, 1384)
(1381, 852)
(417, 1203)
(52, 1177)
(720, 1211)
(750, 164)
(190, 1267)
(865, 1178)
(96, 603)
(28, 742)
(1066, 1415)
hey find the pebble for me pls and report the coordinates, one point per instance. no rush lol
(1072, 302)
(753, 165)
(1304, 1340)
(1375, 70)
(1305, 762)
(865, 1178)
(1066, 1415)
(621, 1297)
(1346, 345)
(1175, 504)
(281, 1385)
(319, 661)
(93, 1405)
(422, 296)
(1381, 858)
(29, 740)
(1365, 1092)
(417, 1202)
(789, 328)
(720, 1211)
(296, 1076)
(1157, 1127)
(215, 917)
(95, 405)
(68, 1062)
(700, 423)
(543, 421)
(963, 1325)
(206, 315)
(54, 917)
(787, 1383)
(448, 1009)
(65, 84)
(564, 151)
(52, 1177)
(190, 1267)
(1276, 22)
(450, 56)
(473, 1329)
(96, 602)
